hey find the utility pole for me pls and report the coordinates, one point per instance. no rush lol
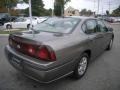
(98, 6)
(102, 9)
(30, 14)
(94, 7)
(109, 6)
(53, 8)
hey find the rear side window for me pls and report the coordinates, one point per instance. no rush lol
(90, 26)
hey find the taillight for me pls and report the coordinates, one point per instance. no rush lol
(37, 51)
(53, 56)
(31, 50)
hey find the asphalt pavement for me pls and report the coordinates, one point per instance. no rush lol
(103, 73)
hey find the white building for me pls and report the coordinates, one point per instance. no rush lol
(71, 12)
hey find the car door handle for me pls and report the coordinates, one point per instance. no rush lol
(98, 37)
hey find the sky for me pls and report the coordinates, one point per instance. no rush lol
(88, 4)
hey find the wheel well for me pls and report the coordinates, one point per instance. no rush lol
(28, 25)
(8, 25)
(88, 52)
(113, 36)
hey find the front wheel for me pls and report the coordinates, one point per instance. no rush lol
(81, 67)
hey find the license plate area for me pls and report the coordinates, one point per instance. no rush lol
(16, 62)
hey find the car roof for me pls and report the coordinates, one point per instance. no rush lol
(78, 17)
(82, 17)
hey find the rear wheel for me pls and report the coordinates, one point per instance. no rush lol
(81, 67)
(8, 27)
(109, 47)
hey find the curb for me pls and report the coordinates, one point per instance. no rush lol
(4, 34)
(115, 23)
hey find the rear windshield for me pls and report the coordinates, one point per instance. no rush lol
(60, 25)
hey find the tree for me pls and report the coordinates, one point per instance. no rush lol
(107, 12)
(37, 7)
(7, 6)
(83, 12)
(7, 3)
(59, 7)
(89, 13)
(86, 12)
(116, 12)
(48, 12)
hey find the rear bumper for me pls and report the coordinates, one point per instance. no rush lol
(36, 70)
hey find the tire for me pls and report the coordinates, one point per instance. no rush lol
(81, 66)
(28, 26)
(109, 47)
(8, 27)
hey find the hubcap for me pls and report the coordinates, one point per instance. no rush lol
(82, 66)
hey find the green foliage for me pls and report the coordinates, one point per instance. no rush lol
(59, 7)
(11, 31)
(7, 3)
(48, 12)
(37, 7)
(86, 12)
(116, 12)
(107, 12)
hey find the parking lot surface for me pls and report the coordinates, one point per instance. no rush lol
(103, 73)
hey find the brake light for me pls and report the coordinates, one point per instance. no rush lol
(37, 51)
(53, 56)
(45, 54)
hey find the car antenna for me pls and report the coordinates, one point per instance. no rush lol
(30, 15)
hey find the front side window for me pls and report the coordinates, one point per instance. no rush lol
(20, 20)
(101, 26)
(91, 26)
(60, 25)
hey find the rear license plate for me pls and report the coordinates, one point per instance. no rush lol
(16, 62)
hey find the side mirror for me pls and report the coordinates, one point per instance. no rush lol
(110, 29)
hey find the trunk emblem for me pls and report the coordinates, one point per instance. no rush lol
(18, 46)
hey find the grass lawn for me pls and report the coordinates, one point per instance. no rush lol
(11, 31)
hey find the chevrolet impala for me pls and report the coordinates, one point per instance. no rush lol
(58, 47)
